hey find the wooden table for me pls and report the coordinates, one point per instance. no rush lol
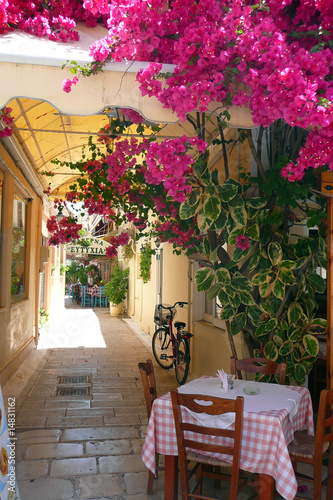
(266, 435)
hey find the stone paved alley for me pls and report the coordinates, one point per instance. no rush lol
(84, 446)
(87, 446)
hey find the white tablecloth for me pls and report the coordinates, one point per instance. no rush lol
(270, 397)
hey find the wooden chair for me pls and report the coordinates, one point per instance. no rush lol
(309, 449)
(101, 299)
(86, 298)
(259, 365)
(190, 448)
(150, 393)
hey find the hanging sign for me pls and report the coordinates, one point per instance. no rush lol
(88, 246)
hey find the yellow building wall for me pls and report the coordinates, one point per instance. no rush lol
(18, 320)
(143, 297)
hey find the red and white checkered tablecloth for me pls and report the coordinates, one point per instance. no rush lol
(93, 290)
(266, 436)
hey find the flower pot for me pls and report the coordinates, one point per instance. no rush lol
(115, 309)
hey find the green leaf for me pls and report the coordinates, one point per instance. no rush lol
(271, 351)
(317, 282)
(286, 264)
(275, 253)
(286, 348)
(220, 222)
(212, 208)
(235, 301)
(235, 183)
(254, 313)
(241, 283)
(206, 245)
(237, 202)
(253, 232)
(265, 290)
(256, 203)
(271, 324)
(193, 198)
(297, 354)
(210, 189)
(223, 297)
(254, 261)
(260, 331)
(240, 254)
(211, 294)
(279, 290)
(311, 345)
(294, 334)
(277, 340)
(239, 215)
(295, 312)
(299, 373)
(227, 192)
(203, 222)
(230, 291)
(259, 278)
(286, 277)
(237, 325)
(318, 324)
(227, 313)
(247, 299)
(186, 211)
(223, 276)
(204, 279)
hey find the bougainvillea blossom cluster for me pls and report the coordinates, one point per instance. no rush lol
(64, 231)
(7, 131)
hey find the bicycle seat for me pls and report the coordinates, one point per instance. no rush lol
(179, 325)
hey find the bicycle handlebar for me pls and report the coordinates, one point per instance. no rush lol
(179, 303)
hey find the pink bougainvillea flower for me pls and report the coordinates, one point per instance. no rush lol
(67, 84)
(242, 242)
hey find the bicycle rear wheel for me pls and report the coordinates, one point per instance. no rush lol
(162, 348)
(182, 360)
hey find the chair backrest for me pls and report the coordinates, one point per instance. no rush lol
(203, 440)
(259, 365)
(324, 429)
(149, 383)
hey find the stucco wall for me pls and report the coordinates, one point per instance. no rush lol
(19, 317)
(211, 349)
(143, 297)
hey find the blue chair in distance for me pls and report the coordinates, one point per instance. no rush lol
(86, 299)
(101, 300)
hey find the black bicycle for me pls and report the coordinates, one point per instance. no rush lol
(171, 349)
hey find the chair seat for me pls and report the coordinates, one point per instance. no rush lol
(205, 459)
(303, 446)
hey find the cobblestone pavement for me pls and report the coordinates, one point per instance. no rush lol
(87, 445)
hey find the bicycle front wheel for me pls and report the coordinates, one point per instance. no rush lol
(162, 348)
(182, 360)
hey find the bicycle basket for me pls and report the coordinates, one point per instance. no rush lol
(162, 316)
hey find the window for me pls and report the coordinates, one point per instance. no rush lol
(18, 273)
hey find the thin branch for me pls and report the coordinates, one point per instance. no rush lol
(224, 149)
(255, 155)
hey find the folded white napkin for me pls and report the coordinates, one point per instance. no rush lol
(224, 379)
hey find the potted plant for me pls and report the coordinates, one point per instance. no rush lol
(116, 289)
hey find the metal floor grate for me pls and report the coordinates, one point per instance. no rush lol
(73, 391)
(77, 379)
(73, 385)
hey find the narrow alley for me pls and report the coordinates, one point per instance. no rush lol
(80, 410)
